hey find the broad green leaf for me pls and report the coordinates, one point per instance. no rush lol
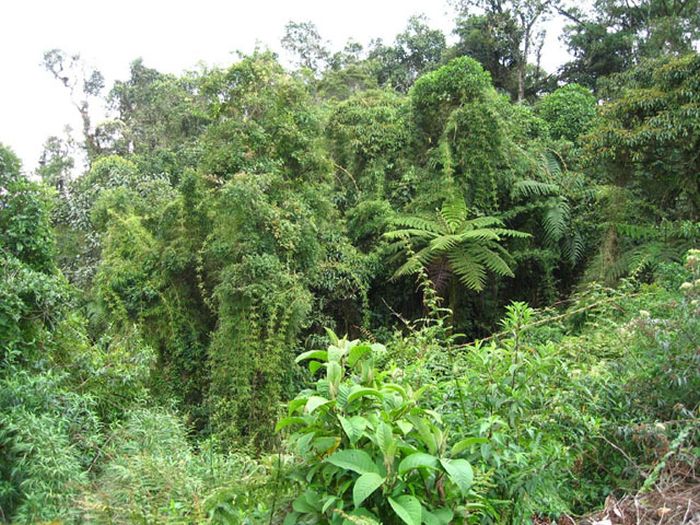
(332, 337)
(294, 404)
(408, 508)
(363, 392)
(445, 515)
(429, 518)
(341, 398)
(308, 502)
(441, 516)
(362, 517)
(417, 460)
(426, 433)
(464, 444)
(314, 366)
(321, 355)
(354, 427)
(334, 373)
(357, 352)
(385, 438)
(329, 502)
(314, 402)
(291, 519)
(335, 354)
(286, 421)
(396, 388)
(356, 460)
(436, 415)
(304, 442)
(365, 485)
(404, 425)
(326, 443)
(460, 472)
(378, 348)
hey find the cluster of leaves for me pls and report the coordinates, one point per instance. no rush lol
(368, 449)
(569, 407)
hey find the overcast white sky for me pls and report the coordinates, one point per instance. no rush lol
(171, 36)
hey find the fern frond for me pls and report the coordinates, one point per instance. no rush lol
(418, 223)
(637, 232)
(551, 164)
(470, 273)
(410, 267)
(556, 221)
(454, 212)
(482, 234)
(483, 222)
(573, 248)
(407, 234)
(533, 188)
(445, 242)
(491, 260)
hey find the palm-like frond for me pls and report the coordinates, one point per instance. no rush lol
(488, 256)
(410, 233)
(418, 223)
(556, 220)
(551, 164)
(454, 212)
(470, 247)
(471, 273)
(483, 222)
(533, 188)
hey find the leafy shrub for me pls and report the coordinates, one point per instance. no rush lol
(369, 452)
(570, 111)
(47, 435)
(152, 474)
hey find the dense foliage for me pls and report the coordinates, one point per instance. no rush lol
(168, 316)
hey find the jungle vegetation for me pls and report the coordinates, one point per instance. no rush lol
(401, 283)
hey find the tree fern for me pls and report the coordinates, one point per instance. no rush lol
(640, 248)
(550, 198)
(470, 247)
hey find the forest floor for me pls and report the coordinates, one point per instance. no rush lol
(674, 500)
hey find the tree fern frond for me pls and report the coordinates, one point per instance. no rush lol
(418, 223)
(454, 212)
(445, 242)
(482, 234)
(513, 234)
(408, 234)
(491, 260)
(556, 221)
(525, 208)
(637, 232)
(470, 273)
(483, 222)
(551, 164)
(470, 247)
(533, 188)
(415, 262)
(410, 267)
(573, 248)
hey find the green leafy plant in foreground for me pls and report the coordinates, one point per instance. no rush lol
(369, 452)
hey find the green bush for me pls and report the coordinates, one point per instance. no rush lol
(369, 452)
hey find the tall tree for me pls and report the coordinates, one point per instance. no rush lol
(57, 162)
(304, 42)
(416, 50)
(84, 84)
(615, 34)
(520, 23)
